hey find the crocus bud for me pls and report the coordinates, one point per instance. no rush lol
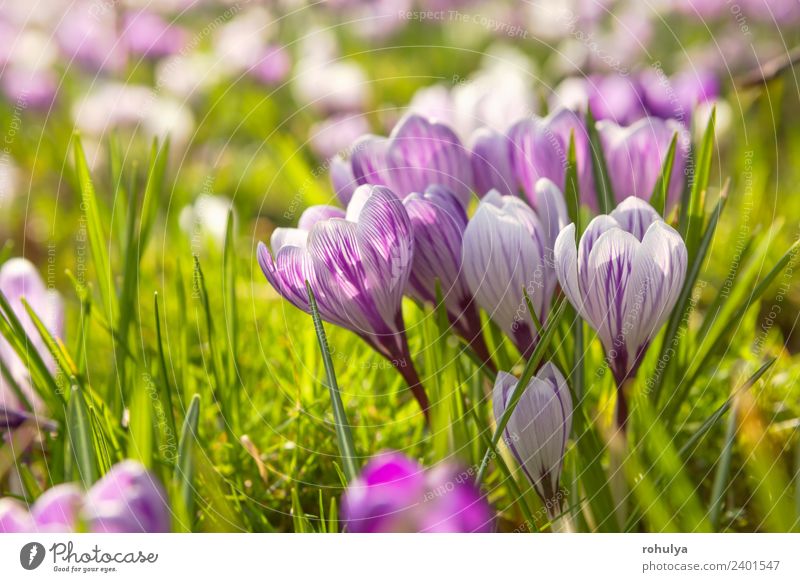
(538, 429)
(128, 499)
(358, 268)
(56, 511)
(635, 156)
(624, 278)
(491, 163)
(19, 279)
(417, 154)
(505, 252)
(396, 494)
(438, 221)
(148, 35)
(540, 149)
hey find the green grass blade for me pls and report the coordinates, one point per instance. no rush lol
(692, 224)
(344, 437)
(722, 474)
(183, 476)
(658, 199)
(571, 188)
(97, 238)
(152, 190)
(79, 437)
(602, 180)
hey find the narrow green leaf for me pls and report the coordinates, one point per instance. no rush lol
(692, 221)
(658, 199)
(344, 438)
(79, 437)
(97, 238)
(722, 474)
(183, 477)
(602, 180)
(152, 190)
(167, 393)
(571, 188)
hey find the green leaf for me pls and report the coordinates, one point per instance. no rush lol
(98, 241)
(79, 437)
(152, 190)
(691, 223)
(658, 199)
(344, 438)
(183, 477)
(571, 188)
(679, 315)
(602, 180)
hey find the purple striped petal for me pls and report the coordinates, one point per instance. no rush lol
(315, 214)
(635, 156)
(491, 163)
(342, 179)
(368, 160)
(424, 153)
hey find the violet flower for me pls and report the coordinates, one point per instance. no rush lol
(508, 249)
(148, 35)
(635, 157)
(539, 148)
(438, 221)
(128, 499)
(396, 494)
(623, 278)
(358, 266)
(19, 279)
(538, 429)
(417, 154)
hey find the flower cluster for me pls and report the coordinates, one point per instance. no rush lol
(396, 494)
(128, 499)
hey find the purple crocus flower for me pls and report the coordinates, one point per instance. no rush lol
(491, 163)
(19, 279)
(342, 179)
(507, 249)
(615, 97)
(540, 149)
(635, 156)
(417, 154)
(678, 96)
(538, 429)
(438, 221)
(358, 267)
(31, 88)
(623, 278)
(396, 494)
(148, 35)
(127, 500)
(335, 134)
(273, 67)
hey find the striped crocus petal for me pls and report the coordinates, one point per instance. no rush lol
(551, 208)
(539, 427)
(368, 160)
(505, 252)
(438, 221)
(540, 149)
(424, 153)
(623, 278)
(491, 163)
(315, 214)
(342, 179)
(635, 156)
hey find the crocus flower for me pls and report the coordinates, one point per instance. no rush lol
(273, 67)
(539, 148)
(148, 35)
(19, 279)
(358, 266)
(538, 429)
(507, 249)
(333, 135)
(616, 97)
(438, 221)
(490, 154)
(679, 95)
(396, 494)
(635, 156)
(128, 499)
(342, 179)
(418, 153)
(623, 278)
